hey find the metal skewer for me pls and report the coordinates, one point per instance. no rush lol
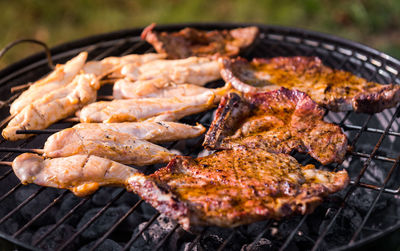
(21, 150)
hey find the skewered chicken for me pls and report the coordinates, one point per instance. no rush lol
(60, 77)
(53, 106)
(114, 64)
(82, 174)
(336, 90)
(155, 132)
(193, 70)
(109, 144)
(192, 42)
(156, 109)
(279, 121)
(234, 187)
(161, 88)
(122, 142)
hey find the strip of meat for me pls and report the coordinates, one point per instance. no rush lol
(234, 187)
(54, 106)
(155, 132)
(114, 64)
(60, 77)
(165, 109)
(279, 121)
(109, 144)
(192, 42)
(82, 174)
(336, 90)
(161, 88)
(193, 70)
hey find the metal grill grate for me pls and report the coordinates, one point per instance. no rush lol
(31, 214)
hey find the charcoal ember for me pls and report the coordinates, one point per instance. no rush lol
(10, 226)
(127, 198)
(214, 237)
(147, 210)
(102, 224)
(153, 234)
(107, 245)
(286, 228)
(261, 244)
(69, 202)
(56, 237)
(343, 228)
(25, 237)
(186, 247)
(251, 231)
(103, 196)
(362, 199)
(37, 204)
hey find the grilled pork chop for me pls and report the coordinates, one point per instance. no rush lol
(192, 42)
(279, 121)
(336, 90)
(234, 187)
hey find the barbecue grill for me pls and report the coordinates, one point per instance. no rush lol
(368, 210)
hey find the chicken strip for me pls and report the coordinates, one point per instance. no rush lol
(193, 70)
(336, 90)
(60, 77)
(155, 132)
(163, 109)
(106, 143)
(161, 88)
(82, 174)
(279, 121)
(114, 64)
(234, 187)
(192, 42)
(53, 106)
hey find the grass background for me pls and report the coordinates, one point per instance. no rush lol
(374, 23)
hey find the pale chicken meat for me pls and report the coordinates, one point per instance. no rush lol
(60, 77)
(113, 65)
(155, 132)
(161, 88)
(156, 109)
(53, 106)
(81, 174)
(106, 143)
(193, 70)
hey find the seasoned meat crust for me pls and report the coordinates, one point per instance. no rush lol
(279, 121)
(234, 187)
(336, 90)
(192, 42)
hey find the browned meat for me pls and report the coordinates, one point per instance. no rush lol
(192, 42)
(279, 121)
(235, 187)
(334, 89)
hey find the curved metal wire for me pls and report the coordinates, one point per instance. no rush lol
(29, 40)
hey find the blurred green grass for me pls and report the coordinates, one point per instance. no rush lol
(374, 23)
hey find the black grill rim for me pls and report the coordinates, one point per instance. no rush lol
(77, 45)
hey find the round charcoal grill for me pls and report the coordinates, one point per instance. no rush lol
(366, 211)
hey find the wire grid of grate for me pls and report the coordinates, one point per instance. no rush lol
(46, 218)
